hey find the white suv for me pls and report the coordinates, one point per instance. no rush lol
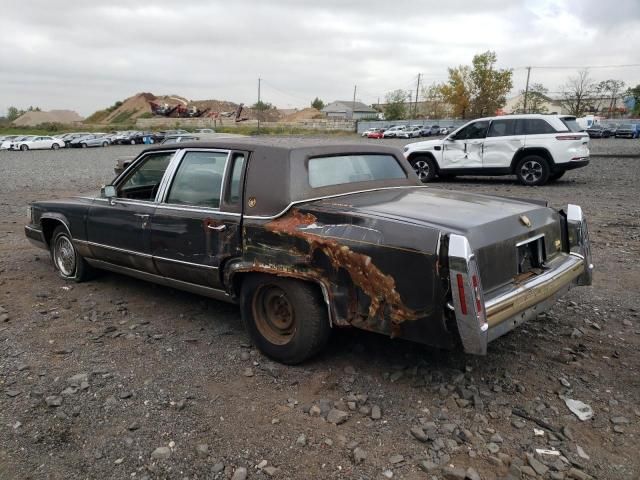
(536, 148)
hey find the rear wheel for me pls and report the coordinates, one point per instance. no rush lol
(66, 260)
(425, 168)
(55, 146)
(83, 145)
(532, 170)
(285, 318)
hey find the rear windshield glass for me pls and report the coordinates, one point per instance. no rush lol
(326, 171)
(626, 126)
(571, 124)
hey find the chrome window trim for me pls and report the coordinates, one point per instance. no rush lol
(164, 206)
(324, 197)
(530, 239)
(178, 161)
(120, 178)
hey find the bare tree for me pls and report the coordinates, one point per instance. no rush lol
(577, 93)
(608, 93)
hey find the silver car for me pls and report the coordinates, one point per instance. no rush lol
(93, 140)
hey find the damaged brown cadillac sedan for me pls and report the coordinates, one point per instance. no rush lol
(307, 238)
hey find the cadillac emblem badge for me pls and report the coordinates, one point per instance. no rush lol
(525, 221)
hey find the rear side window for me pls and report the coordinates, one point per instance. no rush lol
(198, 180)
(233, 192)
(571, 124)
(502, 128)
(338, 170)
(533, 126)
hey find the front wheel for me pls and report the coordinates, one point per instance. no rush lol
(104, 144)
(532, 171)
(285, 318)
(66, 260)
(425, 168)
(83, 145)
(24, 148)
(55, 146)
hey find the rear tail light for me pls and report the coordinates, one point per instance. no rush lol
(467, 295)
(569, 137)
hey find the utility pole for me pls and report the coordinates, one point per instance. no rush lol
(526, 89)
(259, 104)
(415, 110)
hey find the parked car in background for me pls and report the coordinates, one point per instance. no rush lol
(93, 140)
(627, 130)
(535, 148)
(409, 132)
(7, 138)
(306, 238)
(393, 131)
(598, 131)
(37, 143)
(447, 130)
(368, 131)
(72, 136)
(377, 133)
(9, 143)
(204, 130)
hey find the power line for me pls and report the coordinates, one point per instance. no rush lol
(577, 67)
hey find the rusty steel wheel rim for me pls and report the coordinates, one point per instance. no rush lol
(274, 315)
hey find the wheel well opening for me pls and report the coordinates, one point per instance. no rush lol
(540, 152)
(416, 155)
(48, 226)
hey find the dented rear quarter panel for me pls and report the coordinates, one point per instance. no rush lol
(380, 275)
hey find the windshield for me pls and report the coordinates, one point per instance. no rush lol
(341, 169)
(626, 126)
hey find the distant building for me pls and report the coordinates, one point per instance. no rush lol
(349, 110)
(514, 103)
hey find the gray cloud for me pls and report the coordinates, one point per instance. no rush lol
(85, 55)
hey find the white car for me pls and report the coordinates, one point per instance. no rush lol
(535, 148)
(409, 132)
(9, 143)
(368, 131)
(37, 143)
(393, 131)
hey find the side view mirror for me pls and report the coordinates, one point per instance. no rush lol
(108, 191)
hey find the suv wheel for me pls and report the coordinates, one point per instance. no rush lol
(285, 318)
(532, 170)
(424, 167)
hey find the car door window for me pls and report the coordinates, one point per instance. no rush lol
(143, 182)
(502, 128)
(473, 131)
(533, 126)
(198, 181)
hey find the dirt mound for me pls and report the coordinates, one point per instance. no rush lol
(308, 113)
(31, 119)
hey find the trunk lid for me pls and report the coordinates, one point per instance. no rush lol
(494, 226)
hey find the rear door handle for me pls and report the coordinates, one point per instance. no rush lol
(218, 228)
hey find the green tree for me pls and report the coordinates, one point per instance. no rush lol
(13, 113)
(479, 90)
(317, 104)
(434, 105)
(396, 108)
(635, 94)
(262, 106)
(536, 100)
(577, 93)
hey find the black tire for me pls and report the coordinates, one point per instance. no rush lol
(104, 144)
(285, 318)
(133, 142)
(532, 170)
(24, 148)
(55, 146)
(66, 260)
(555, 176)
(425, 168)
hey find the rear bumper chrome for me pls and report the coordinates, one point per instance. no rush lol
(508, 310)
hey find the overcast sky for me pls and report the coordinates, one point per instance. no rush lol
(85, 55)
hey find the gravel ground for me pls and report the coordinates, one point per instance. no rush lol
(117, 378)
